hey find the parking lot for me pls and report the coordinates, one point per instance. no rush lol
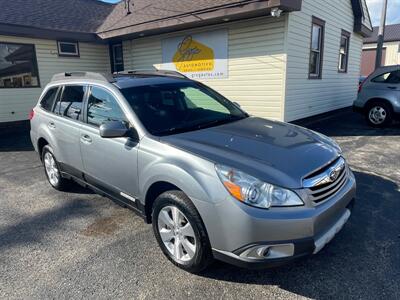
(81, 245)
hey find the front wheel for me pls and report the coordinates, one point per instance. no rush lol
(180, 232)
(379, 115)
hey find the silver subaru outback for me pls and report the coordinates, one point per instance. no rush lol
(213, 181)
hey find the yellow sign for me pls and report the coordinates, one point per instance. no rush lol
(193, 56)
(202, 55)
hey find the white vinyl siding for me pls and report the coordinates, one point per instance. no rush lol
(256, 63)
(306, 97)
(392, 52)
(15, 103)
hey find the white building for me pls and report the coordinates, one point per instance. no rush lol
(281, 59)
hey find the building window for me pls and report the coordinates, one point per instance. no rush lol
(316, 48)
(18, 66)
(344, 51)
(68, 49)
(117, 57)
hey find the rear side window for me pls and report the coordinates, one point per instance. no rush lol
(48, 100)
(102, 107)
(71, 102)
(389, 77)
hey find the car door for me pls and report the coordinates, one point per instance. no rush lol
(66, 124)
(108, 162)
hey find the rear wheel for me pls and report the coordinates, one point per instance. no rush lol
(379, 114)
(180, 232)
(52, 169)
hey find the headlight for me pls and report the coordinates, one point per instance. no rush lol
(254, 192)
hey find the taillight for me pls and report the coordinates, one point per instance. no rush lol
(31, 114)
(360, 87)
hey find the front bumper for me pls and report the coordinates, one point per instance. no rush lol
(288, 233)
(302, 248)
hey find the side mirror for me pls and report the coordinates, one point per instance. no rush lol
(113, 129)
(237, 104)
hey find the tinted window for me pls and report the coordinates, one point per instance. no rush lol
(48, 99)
(103, 107)
(389, 77)
(171, 108)
(71, 101)
(18, 66)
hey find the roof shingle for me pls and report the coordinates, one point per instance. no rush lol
(84, 16)
(392, 33)
(144, 11)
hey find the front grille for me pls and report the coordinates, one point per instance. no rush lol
(324, 184)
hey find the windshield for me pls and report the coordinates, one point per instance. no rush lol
(178, 107)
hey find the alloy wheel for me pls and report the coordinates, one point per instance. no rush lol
(177, 233)
(51, 169)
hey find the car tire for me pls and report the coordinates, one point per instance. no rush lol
(379, 114)
(174, 236)
(52, 170)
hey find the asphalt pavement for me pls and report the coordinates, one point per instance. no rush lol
(80, 245)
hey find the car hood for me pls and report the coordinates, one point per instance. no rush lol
(276, 152)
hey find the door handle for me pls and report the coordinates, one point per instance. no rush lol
(86, 139)
(392, 87)
(51, 125)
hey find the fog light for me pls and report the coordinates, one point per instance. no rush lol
(268, 251)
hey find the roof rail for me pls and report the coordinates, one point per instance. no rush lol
(154, 72)
(82, 74)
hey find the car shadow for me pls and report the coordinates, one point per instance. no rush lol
(15, 141)
(361, 260)
(32, 230)
(15, 137)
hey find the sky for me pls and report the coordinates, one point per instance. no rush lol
(393, 11)
(375, 9)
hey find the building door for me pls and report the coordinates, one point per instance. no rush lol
(368, 60)
(117, 57)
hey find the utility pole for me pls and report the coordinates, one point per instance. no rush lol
(381, 35)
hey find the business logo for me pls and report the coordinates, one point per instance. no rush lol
(202, 55)
(193, 56)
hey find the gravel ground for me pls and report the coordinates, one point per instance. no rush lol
(81, 245)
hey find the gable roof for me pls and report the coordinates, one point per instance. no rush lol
(362, 19)
(168, 15)
(65, 15)
(392, 34)
(93, 20)
(23, 17)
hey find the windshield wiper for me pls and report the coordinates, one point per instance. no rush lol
(220, 121)
(198, 126)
